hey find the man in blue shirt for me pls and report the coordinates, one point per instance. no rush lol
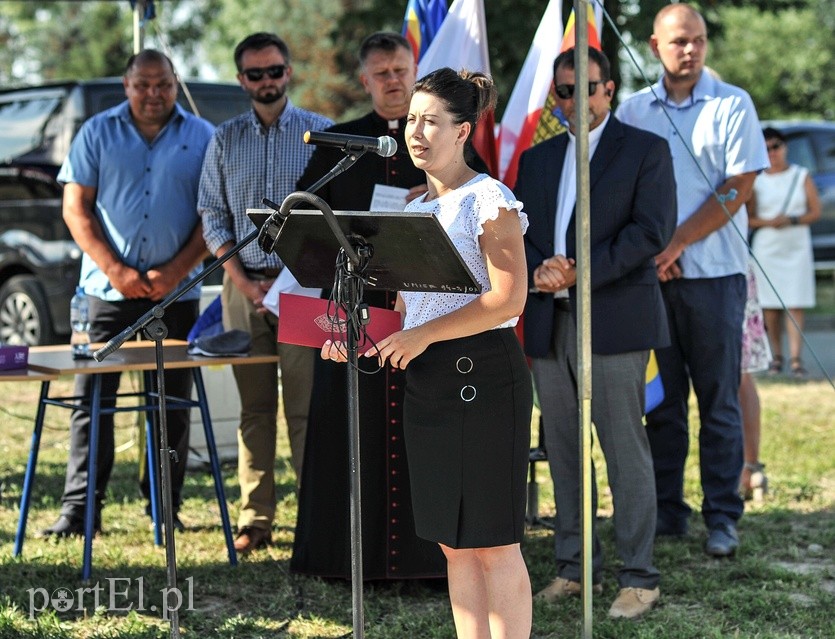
(716, 144)
(130, 202)
(258, 154)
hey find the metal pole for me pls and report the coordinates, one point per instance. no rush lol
(158, 331)
(354, 453)
(139, 26)
(584, 390)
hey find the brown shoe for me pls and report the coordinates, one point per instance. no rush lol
(251, 538)
(631, 603)
(562, 587)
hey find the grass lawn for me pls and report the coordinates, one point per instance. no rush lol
(781, 583)
(824, 295)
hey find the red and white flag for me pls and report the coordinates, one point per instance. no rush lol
(528, 96)
(523, 115)
(461, 43)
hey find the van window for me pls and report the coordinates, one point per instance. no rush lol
(215, 102)
(826, 147)
(218, 103)
(24, 117)
(800, 152)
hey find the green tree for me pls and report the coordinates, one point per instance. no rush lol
(785, 60)
(319, 82)
(55, 40)
(48, 40)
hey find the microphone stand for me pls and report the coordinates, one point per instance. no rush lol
(155, 329)
(353, 268)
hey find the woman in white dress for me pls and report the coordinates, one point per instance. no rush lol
(785, 202)
(468, 402)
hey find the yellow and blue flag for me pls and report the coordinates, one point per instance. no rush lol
(654, 388)
(422, 20)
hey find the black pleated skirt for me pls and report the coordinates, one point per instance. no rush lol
(467, 417)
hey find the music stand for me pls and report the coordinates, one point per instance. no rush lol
(397, 252)
(411, 251)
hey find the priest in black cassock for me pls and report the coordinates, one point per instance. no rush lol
(322, 546)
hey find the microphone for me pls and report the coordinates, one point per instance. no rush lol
(384, 145)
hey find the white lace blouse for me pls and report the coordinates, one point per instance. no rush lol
(462, 213)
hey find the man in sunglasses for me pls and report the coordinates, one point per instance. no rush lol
(255, 155)
(716, 140)
(632, 220)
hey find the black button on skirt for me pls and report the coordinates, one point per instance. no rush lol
(467, 418)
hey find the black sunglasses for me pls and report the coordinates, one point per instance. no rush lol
(565, 91)
(774, 146)
(256, 74)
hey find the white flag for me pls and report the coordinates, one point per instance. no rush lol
(528, 96)
(461, 42)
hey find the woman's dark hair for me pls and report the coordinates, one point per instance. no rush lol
(770, 133)
(466, 94)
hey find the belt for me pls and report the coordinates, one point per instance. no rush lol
(262, 273)
(562, 304)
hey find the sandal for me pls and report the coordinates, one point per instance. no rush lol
(756, 487)
(797, 370)
(776, 366)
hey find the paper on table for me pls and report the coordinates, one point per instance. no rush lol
(286, 283)
(388, 198)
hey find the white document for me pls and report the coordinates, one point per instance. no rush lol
(286, 283)
(388, 198)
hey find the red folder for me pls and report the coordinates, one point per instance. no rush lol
(305, 321)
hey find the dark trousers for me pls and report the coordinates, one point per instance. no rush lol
(705, 317)
(617, 408)
(108, 319)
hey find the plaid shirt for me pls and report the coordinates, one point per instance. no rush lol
(246, 162)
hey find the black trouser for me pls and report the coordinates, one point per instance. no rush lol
(108, 319)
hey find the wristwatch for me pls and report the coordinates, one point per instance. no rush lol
(794, 220)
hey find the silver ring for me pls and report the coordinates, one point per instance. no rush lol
(468, 399)
(465, 360)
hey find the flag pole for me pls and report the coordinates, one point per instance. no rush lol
(139, 26)
(584, 363)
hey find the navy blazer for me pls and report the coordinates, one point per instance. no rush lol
(633, 217)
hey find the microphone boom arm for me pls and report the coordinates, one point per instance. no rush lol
(268, 235)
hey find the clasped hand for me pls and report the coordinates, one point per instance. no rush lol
(399, 349)
(555, 274)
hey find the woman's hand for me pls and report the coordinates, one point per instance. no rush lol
(335, 351)
(780, 221)
(400, 348)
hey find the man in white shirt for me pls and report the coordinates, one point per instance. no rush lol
(717, 148)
